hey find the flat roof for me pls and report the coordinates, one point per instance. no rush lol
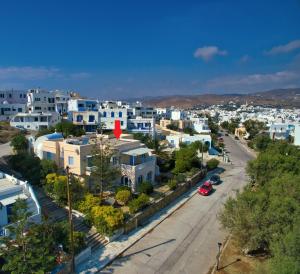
(137, 151)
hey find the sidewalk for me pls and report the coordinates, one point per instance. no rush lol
(104, 256)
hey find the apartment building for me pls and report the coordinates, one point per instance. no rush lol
(141, 125)
(176, 139)
(135, 160)
(61, 101)
(13, 96)
(110, 111)
(12, 189)
(200, 125)
(82, 105)
(40, 101)
(7, 111)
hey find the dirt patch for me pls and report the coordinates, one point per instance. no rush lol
(234, 262)
(7, 132)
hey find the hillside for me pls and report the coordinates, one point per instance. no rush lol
(278, 97)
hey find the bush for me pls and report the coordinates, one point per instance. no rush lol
(107, 219)
(123, 197)
(139, 203)
(145, 187)
(180, 178)
(212, 164)
(88, 203)
(172, 184)
(120, 188)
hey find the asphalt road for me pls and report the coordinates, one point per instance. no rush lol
(186, 242)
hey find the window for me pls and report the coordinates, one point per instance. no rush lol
(79, 118)
(70, 160)
(36, 119)
(112, 114)
(50, 155)
(44, 119)
(37, 108)
(114, 160)
(37, 99)
(104, 114)
(131, 160)
(122, 123)
(20, 95)
(9, 95)
(91, 118)
(120, 114)
(24, 95)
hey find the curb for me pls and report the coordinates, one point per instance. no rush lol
(177, 206)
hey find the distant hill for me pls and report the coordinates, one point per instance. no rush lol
(277, 97)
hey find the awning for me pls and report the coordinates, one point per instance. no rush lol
(137, 151)
(12, 199)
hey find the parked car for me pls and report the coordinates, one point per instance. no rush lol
(215, 179)
(226, 134)
(205, 189)
(236, 138)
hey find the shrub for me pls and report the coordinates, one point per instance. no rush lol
(107, 219)
(145, 187)
(180, 178)
(172, 184)
(120, 188)
(88, 203)
(139, 203)
(212, 164)
(123, 197)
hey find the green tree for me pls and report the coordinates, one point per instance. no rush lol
(68, 128)
(104, 171)
(185, 159)
(254, 127)
(48, 166)
(30, 252)
(19, 143)
(286, 253)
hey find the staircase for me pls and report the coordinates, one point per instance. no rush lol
(54, 213)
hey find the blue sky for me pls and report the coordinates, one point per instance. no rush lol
(117, 49)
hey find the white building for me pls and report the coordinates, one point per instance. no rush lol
(12, 189)
(176, 140)
(111, 111)
(82, 105)
(39, 101)
(35, 121)
(201, 125)
(61, 101)
(163, 113)
(297, 135)
(141, 125)
(13, 96)
(177, 115)
(8, 110)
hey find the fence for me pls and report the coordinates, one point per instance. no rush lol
(142, 217)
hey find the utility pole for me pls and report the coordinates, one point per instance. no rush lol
(70, 219)
(218, 256)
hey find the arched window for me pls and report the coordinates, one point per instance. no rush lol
(112, 114)
(120, 114)
(125, 181)
(79, 118)
(140, 179)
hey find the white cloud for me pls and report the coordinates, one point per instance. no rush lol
(291, 46)
(208, 52)
(28, 73)
(254, 81)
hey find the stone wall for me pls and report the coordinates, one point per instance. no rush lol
(142, 217)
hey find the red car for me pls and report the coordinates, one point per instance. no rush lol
(205, 189)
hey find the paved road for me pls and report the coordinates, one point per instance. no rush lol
(186, 242)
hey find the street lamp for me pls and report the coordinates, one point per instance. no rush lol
(218, 256)
(70, 219)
